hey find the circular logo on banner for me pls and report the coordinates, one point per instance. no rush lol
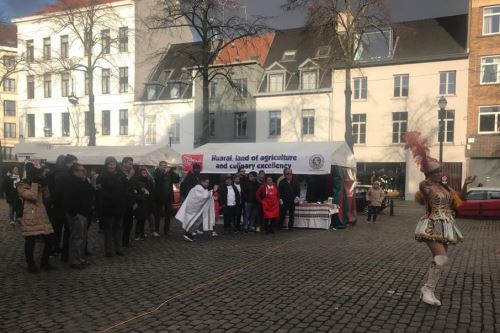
(316, 161)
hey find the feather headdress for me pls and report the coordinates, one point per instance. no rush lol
(419, 147)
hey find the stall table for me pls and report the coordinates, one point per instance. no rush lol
(314, 215)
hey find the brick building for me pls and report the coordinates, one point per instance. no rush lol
(483, 116)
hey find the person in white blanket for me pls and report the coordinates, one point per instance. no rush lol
(197, 210)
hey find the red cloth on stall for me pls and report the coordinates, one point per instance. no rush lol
(269, 198)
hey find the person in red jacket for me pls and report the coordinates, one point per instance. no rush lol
(269, 197)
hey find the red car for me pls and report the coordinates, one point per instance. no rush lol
(481, 202)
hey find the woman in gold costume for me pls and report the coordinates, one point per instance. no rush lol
(437, 228)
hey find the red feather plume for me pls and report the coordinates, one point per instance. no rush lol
(419, 147)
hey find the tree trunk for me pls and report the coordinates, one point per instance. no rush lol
(348, 118)
(205, 135)
(91, 118)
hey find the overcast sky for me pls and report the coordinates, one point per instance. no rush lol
(402, 10)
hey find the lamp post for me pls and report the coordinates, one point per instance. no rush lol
(441, 113)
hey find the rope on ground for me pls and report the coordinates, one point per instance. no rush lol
(201, 286)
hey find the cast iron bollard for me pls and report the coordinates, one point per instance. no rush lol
(391, 207)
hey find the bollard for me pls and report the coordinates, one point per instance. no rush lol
(391, 207)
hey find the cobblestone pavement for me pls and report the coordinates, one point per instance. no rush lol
(363, 279)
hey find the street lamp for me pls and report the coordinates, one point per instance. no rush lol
(441, 113)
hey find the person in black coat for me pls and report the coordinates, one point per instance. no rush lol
(229, 201)
(289, 196)
(191, 180)
(249, 198)
(127, 174)
(12, 178)
(165, 178)
(145, 201)
(113, 203)
(77, 199)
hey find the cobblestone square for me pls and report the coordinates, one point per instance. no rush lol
(362, 279)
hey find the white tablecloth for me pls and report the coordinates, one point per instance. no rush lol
(314, 216)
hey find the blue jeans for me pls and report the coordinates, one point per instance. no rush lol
(251, 213)
(372, 211)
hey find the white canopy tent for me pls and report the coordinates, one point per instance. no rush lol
(313, 158)
(142, 155)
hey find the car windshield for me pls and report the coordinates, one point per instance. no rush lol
(475, 195)
(494, 195)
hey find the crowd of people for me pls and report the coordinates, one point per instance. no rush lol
(58, 205)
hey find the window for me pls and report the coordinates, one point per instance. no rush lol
(150, 135)
(375, 45)
(9, 85)
(211, 124)
(447, 82)
(106, 41)
(8, 154)
(47, 124)
(30, 51)
(165, 76)
(490, 71)
(47, 85)
(30, 89)
(491, 20)
(123, 79)
(152, 91)
(360, 87)
(213, 89)
(123, 122)
(30, 119)
(289, 55)
(359, 128)
(449, 126)
(475, 195)
(9, 108)
(323, 51)
(46, 48)
(401, 84)
(241, 86)
(307, 122)
(65, 124)
(86, 84)
(489, 119)
(274, 123)
(240, 124)
(399, 126)
(65, 85)
(276, 82)
(175, 90)
(9, 61)
(105, 81)
(174, 131)
(9, 130)
(123, 39)
(64, 47)
(105, 123)
(494, 195)
(86, 120)
(309, 80)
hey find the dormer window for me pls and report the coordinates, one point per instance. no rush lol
(309, 80)
(152, 92)
(323, 51)
(254, 58)
(164, 76)
(276, 82)
(289, 55)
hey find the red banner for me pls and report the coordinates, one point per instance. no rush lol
(189, 159)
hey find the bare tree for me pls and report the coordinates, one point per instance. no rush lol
(216, 28)
(90, 23)
(344, 23)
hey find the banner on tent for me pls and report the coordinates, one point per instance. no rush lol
(301, 163)
(188, 160)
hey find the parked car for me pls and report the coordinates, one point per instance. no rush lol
(361, 204)
(481, 202)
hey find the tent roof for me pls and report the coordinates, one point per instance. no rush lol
(145, 155)
(340, 153)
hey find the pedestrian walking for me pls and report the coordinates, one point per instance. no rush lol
(230, 201)
(145, 201)
(249, 195)
(77, 199)
(374, 197)
(12, 179)
(165, 178)
(289, 196)
(269, 197)
(437, 228)
(113, 204)
(197, 210)
(35, 223)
